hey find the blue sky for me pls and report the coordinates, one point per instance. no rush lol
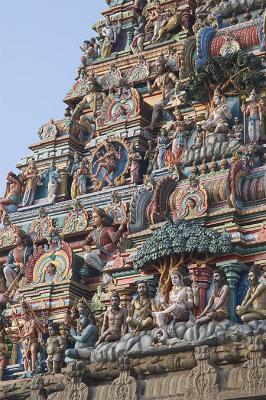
(39, 54)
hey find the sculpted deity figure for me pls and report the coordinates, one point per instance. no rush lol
(108, 163)
(53, 181)
(55, 347)
(90, 50)
(217, 307)
(105, 237)
(30, 331)
(135, 159)
(140, 313)
(85, 338)
(49, 274)
(31, 179)
(3, 355)
(181, 301)
(220, 113)
(139, 35)
(197, 137)
(237, 130)
(163, 146)
(91, 102)
(10, 201)
(79, 172)
(114, 322)
(110, 33)
(151, 156)
(165, 81)
(17, 258)
(255, 113)
(253, 306)
(158, 18)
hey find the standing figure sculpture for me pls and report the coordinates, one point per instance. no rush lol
(253, 306)
(165, 81)
(151, 156)
(53, 181)
(181, 301)
(114, 322)
(31, 179)
(255, 113)
(163, 147)
(110, 33)
(10, 201)
(79, 172)
(217, 307)
(105, 237)
(92, 103)
(86, 336)
(134, 159)
(139, 35)
(140, 313)
(17, 259)
(55, 348)
(108, 163)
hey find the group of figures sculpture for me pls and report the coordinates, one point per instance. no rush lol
(174, 131)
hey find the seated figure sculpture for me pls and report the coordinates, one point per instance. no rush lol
(217, 307)
(181, 301)
(105, 237)
(114, 322)
(217, 122)
(140, 312)
(86, 337)
(11, 199)
(253, 306)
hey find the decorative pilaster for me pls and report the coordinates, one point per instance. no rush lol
(233, 270)
(201, 276)
(64, 184)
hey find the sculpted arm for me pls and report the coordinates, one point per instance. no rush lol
(32, 331)
(246, 299)
(80, 106)
(131, 309)
(189, 301)
(85, 335)
(257, 292)
(105, 323)
(208, 307)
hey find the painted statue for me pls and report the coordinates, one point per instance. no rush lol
(31, 179)
(17, 259)
(140, 313)
(220, 113)
(157, 18)
(105, 237)
(92, 103)
(181, 302)
(53, 182)
(151, 156)
(253, 306)
(237, 130)
(197, 138)
(114, 322)
(134, 159)
(90, 49)
(11, 199)
(108, 163)
(79, 172)
(217, 307)
(86, 336)
(139, 35)
(165, 81)
(110, 33)
(163, 147)
(255, 113)
(55, 348)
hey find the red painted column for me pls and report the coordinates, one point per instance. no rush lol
(201, 275)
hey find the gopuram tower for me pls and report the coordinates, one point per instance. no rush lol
(133, 240)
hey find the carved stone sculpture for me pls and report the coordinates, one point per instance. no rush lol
(253, 306)
(134, 159)
(163, 147)
(90, 50)
(79, 172)
(55, 348)
(11, 199)
(53, 182)
(140, 312)
(109, 33)
(114, 322)
(31, 178)
(139, 35)
(217, 307)
(86, 337)
(255, 113)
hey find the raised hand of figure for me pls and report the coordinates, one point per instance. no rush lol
(72, 332)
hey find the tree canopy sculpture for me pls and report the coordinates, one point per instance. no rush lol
(178, 243)
(233, 73)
